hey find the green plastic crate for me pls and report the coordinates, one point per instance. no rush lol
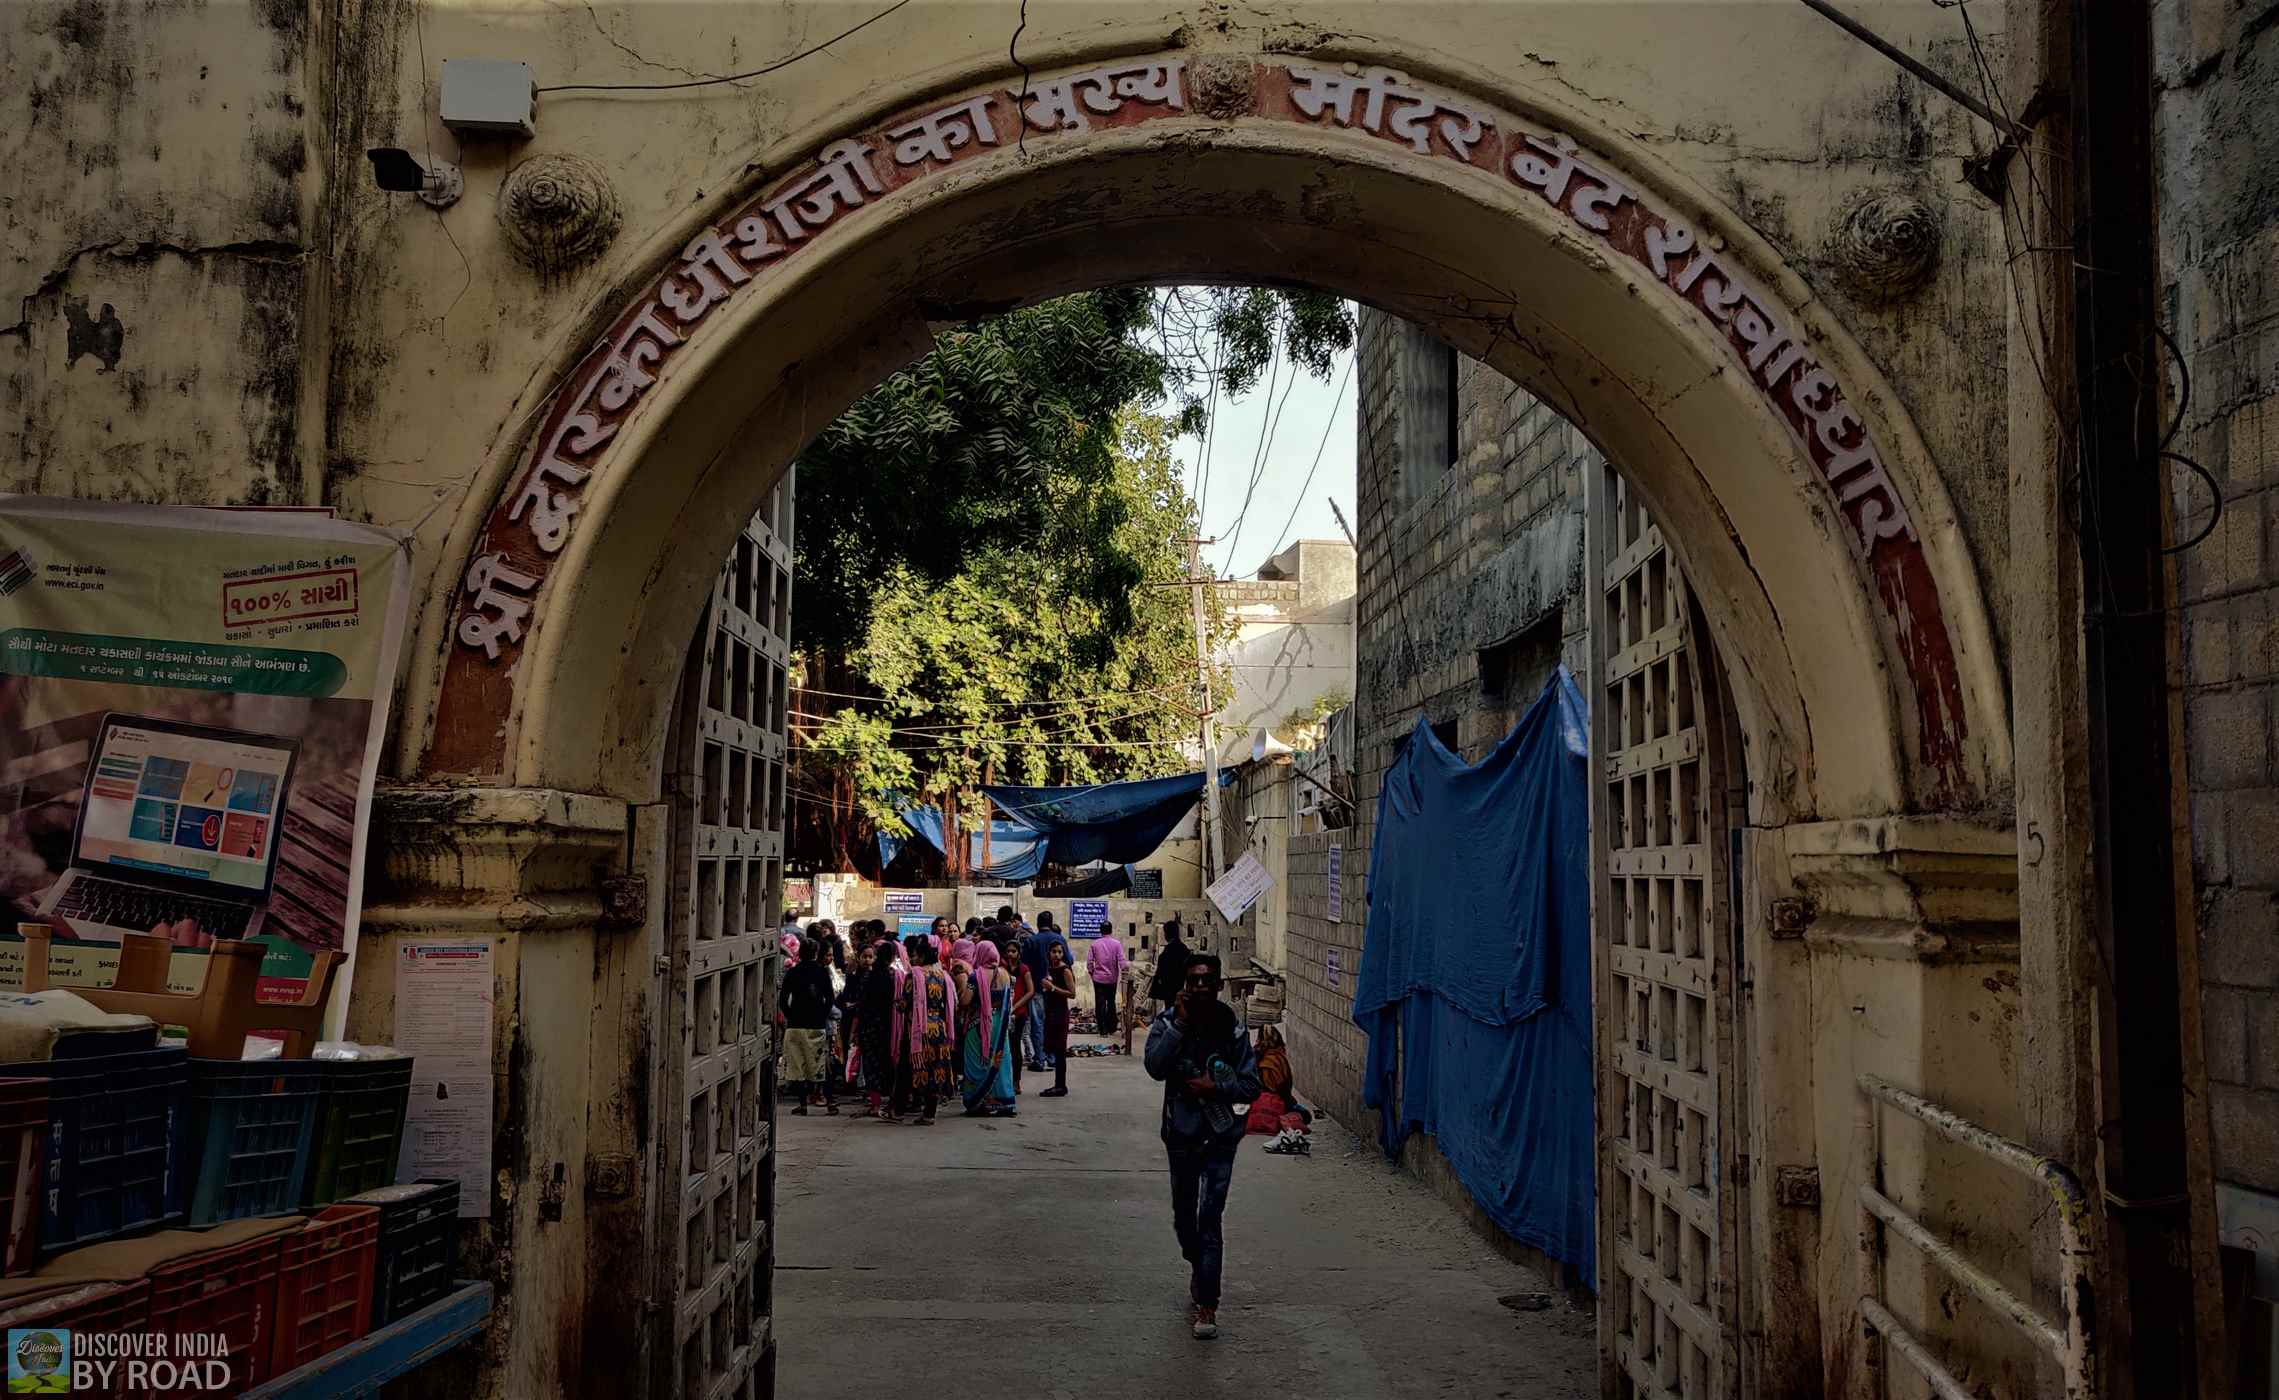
(360, 1127)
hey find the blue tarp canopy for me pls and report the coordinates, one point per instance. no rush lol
(1066, 826)
(1475, 973)
(1016, 852)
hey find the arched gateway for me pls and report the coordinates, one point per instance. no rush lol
(1813, 529)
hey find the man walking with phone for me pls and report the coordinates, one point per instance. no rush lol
(1200, 1051)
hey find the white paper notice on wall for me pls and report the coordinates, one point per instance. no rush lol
(444, 994)
(1336, 976)
(1238, 889)
(1337, 884)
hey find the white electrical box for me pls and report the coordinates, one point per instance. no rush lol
(489, 95)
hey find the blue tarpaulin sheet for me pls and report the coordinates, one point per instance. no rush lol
(1475, 981)
(1016, 852)
(1115, 822)
(1066, 826)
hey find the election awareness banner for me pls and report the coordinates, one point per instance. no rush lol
(192, 705)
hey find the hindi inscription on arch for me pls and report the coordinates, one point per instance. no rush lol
(855, 176)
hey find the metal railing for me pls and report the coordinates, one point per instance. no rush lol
(2071, 1344)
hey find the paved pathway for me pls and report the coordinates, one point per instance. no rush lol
(1033, 1257)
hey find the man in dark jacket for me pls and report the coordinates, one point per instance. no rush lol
(1170, 966)
(1198, 1048)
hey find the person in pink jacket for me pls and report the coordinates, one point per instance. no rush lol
(1105, 961)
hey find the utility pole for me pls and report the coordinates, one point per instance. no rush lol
(2145, 1085)
(1206, 718)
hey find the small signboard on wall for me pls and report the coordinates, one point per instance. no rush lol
(1147, 884)
(1336, 974)
(1086, 917)
(905, 902)
(1337, 884)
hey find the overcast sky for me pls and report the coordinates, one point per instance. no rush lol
(1309, 408)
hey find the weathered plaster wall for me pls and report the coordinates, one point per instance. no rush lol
(435, 328)
(2218, 68)
(154, 250)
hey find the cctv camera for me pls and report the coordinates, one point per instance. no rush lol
(397, 170)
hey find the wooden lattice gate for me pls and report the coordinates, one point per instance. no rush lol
(716, 1131)
(1665, 809)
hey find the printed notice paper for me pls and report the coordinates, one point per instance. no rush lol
(1238, 889)
(443, 1018)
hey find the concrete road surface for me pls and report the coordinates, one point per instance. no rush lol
(1033, 1257)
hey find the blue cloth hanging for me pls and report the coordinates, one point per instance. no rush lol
(1475, 978)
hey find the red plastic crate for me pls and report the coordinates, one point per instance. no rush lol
(23, 1158)
(232, 1291)
(324, 1285)
(89, 1310)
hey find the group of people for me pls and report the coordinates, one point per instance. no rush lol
(949, 1012)
(912, 1022)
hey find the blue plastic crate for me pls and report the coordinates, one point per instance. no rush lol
(252, 1125)
(117, 1131)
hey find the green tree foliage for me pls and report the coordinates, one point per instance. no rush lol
(983, 543)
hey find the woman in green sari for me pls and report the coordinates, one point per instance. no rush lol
(984, 1056)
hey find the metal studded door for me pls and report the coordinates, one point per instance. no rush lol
(716, 1047)
(1662, 938)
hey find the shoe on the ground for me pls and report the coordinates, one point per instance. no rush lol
(799, 1112)
(1053, 1093)
(1206, 1327)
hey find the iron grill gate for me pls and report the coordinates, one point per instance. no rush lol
(1662, 934)
(726, 787)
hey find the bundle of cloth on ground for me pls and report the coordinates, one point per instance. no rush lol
(1474, 985)
(1063, 826)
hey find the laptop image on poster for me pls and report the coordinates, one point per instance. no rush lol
(176, 821)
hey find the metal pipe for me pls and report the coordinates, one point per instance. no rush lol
(1867, 1154)
(2016, 1156)
(1914, 65)
(1917, 1355)
(1990, 1291)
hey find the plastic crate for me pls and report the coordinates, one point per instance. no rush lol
(324, 1285)
(87, 1309)
(360, 1127)
(116, 1129)
(419, 1246)
(230, 1291)
(252, 1124)
(23, 1152)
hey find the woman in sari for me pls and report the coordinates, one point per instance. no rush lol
(986, 1062)
(874, 1028)
(926, 1030)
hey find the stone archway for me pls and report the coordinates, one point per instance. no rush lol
(1751, 422)
(1800, 501)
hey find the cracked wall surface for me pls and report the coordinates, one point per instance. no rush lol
(153, 249)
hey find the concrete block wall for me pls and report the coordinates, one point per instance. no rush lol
(2220, 256)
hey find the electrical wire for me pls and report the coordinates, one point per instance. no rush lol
(728, 77)
(1007, 704)
(1264, 454)
(1327, 428)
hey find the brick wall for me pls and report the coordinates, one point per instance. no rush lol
(1486, 554)
(2219, 180)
